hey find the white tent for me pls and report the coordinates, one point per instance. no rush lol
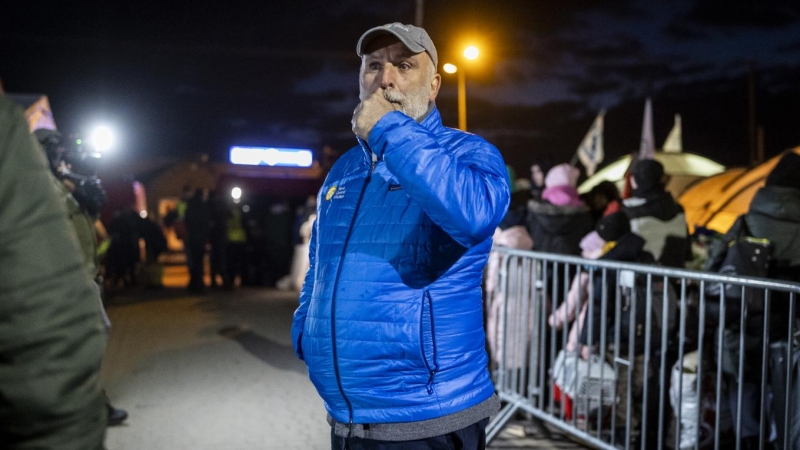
(683, 169)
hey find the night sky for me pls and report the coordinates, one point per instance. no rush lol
(184, 78)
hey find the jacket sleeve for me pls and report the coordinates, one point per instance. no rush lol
(463, 188)
(51, 338)
(299, 321)
(719, 248)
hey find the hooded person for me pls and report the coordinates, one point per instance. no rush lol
(656, 216)
(616, 242)
(603, 199)
(774, 214)
(560, 219)
(599, 244)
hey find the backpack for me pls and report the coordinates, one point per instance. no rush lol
(746, 256)
(634, 292)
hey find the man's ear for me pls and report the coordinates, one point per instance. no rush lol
(436, 83)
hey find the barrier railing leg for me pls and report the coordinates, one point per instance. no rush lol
(499, 421)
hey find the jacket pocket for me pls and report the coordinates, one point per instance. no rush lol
(428, 339)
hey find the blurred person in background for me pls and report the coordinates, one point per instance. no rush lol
(235, 248)
(613, 240)
(52, 336)
(539, 168)
(218, 238)
(155, 243)
(124, 253)
(603, 199)
(559, 221)
(774, 214)
(656, 216)
(198, 220)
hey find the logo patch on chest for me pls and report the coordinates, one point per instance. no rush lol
(395, 187)
(329, 194)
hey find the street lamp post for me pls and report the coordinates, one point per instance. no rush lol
(462, 100)
(470, 53)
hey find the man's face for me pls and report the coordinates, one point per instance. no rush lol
(408, 80)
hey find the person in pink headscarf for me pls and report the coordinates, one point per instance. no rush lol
(559, 221)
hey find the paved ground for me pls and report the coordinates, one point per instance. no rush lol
(217, 371)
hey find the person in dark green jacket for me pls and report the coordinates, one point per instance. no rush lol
(51, 334)
(83, 197)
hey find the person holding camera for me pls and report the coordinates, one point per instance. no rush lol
(83, 197)
(51, 335)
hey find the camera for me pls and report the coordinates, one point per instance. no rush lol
(89, 193)
(68, 154)
(72, 161)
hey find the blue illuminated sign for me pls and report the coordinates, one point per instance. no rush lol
(271, 156)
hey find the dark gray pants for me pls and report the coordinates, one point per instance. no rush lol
(472, 437)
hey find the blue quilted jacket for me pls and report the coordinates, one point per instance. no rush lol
(390, 322)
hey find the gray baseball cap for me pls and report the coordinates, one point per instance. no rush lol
(414, 38)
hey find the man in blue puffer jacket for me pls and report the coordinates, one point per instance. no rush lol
(390, 321)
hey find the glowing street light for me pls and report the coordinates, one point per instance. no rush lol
(102, 138)
(470, 53)
(236, 194)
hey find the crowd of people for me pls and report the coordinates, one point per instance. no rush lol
(647, 226)
(233, 243)
(123, 262)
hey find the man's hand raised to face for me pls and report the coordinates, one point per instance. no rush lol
(369, 112)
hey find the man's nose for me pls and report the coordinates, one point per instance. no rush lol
(388, 76)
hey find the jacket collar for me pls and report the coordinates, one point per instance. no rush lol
(659, 205)
(433, 121)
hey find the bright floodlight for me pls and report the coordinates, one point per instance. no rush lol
(471, 52)
(236, 193)
(271, 156)
(102, 138)
(450, 68)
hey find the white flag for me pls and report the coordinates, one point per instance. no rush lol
(647, 147)
(674, 142)
(590, 152)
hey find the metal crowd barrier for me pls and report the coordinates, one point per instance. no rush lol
(720, 371)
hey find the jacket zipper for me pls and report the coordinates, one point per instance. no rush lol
(336, 285)
(428, 303)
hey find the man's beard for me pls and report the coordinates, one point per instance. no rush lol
(414, 104)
